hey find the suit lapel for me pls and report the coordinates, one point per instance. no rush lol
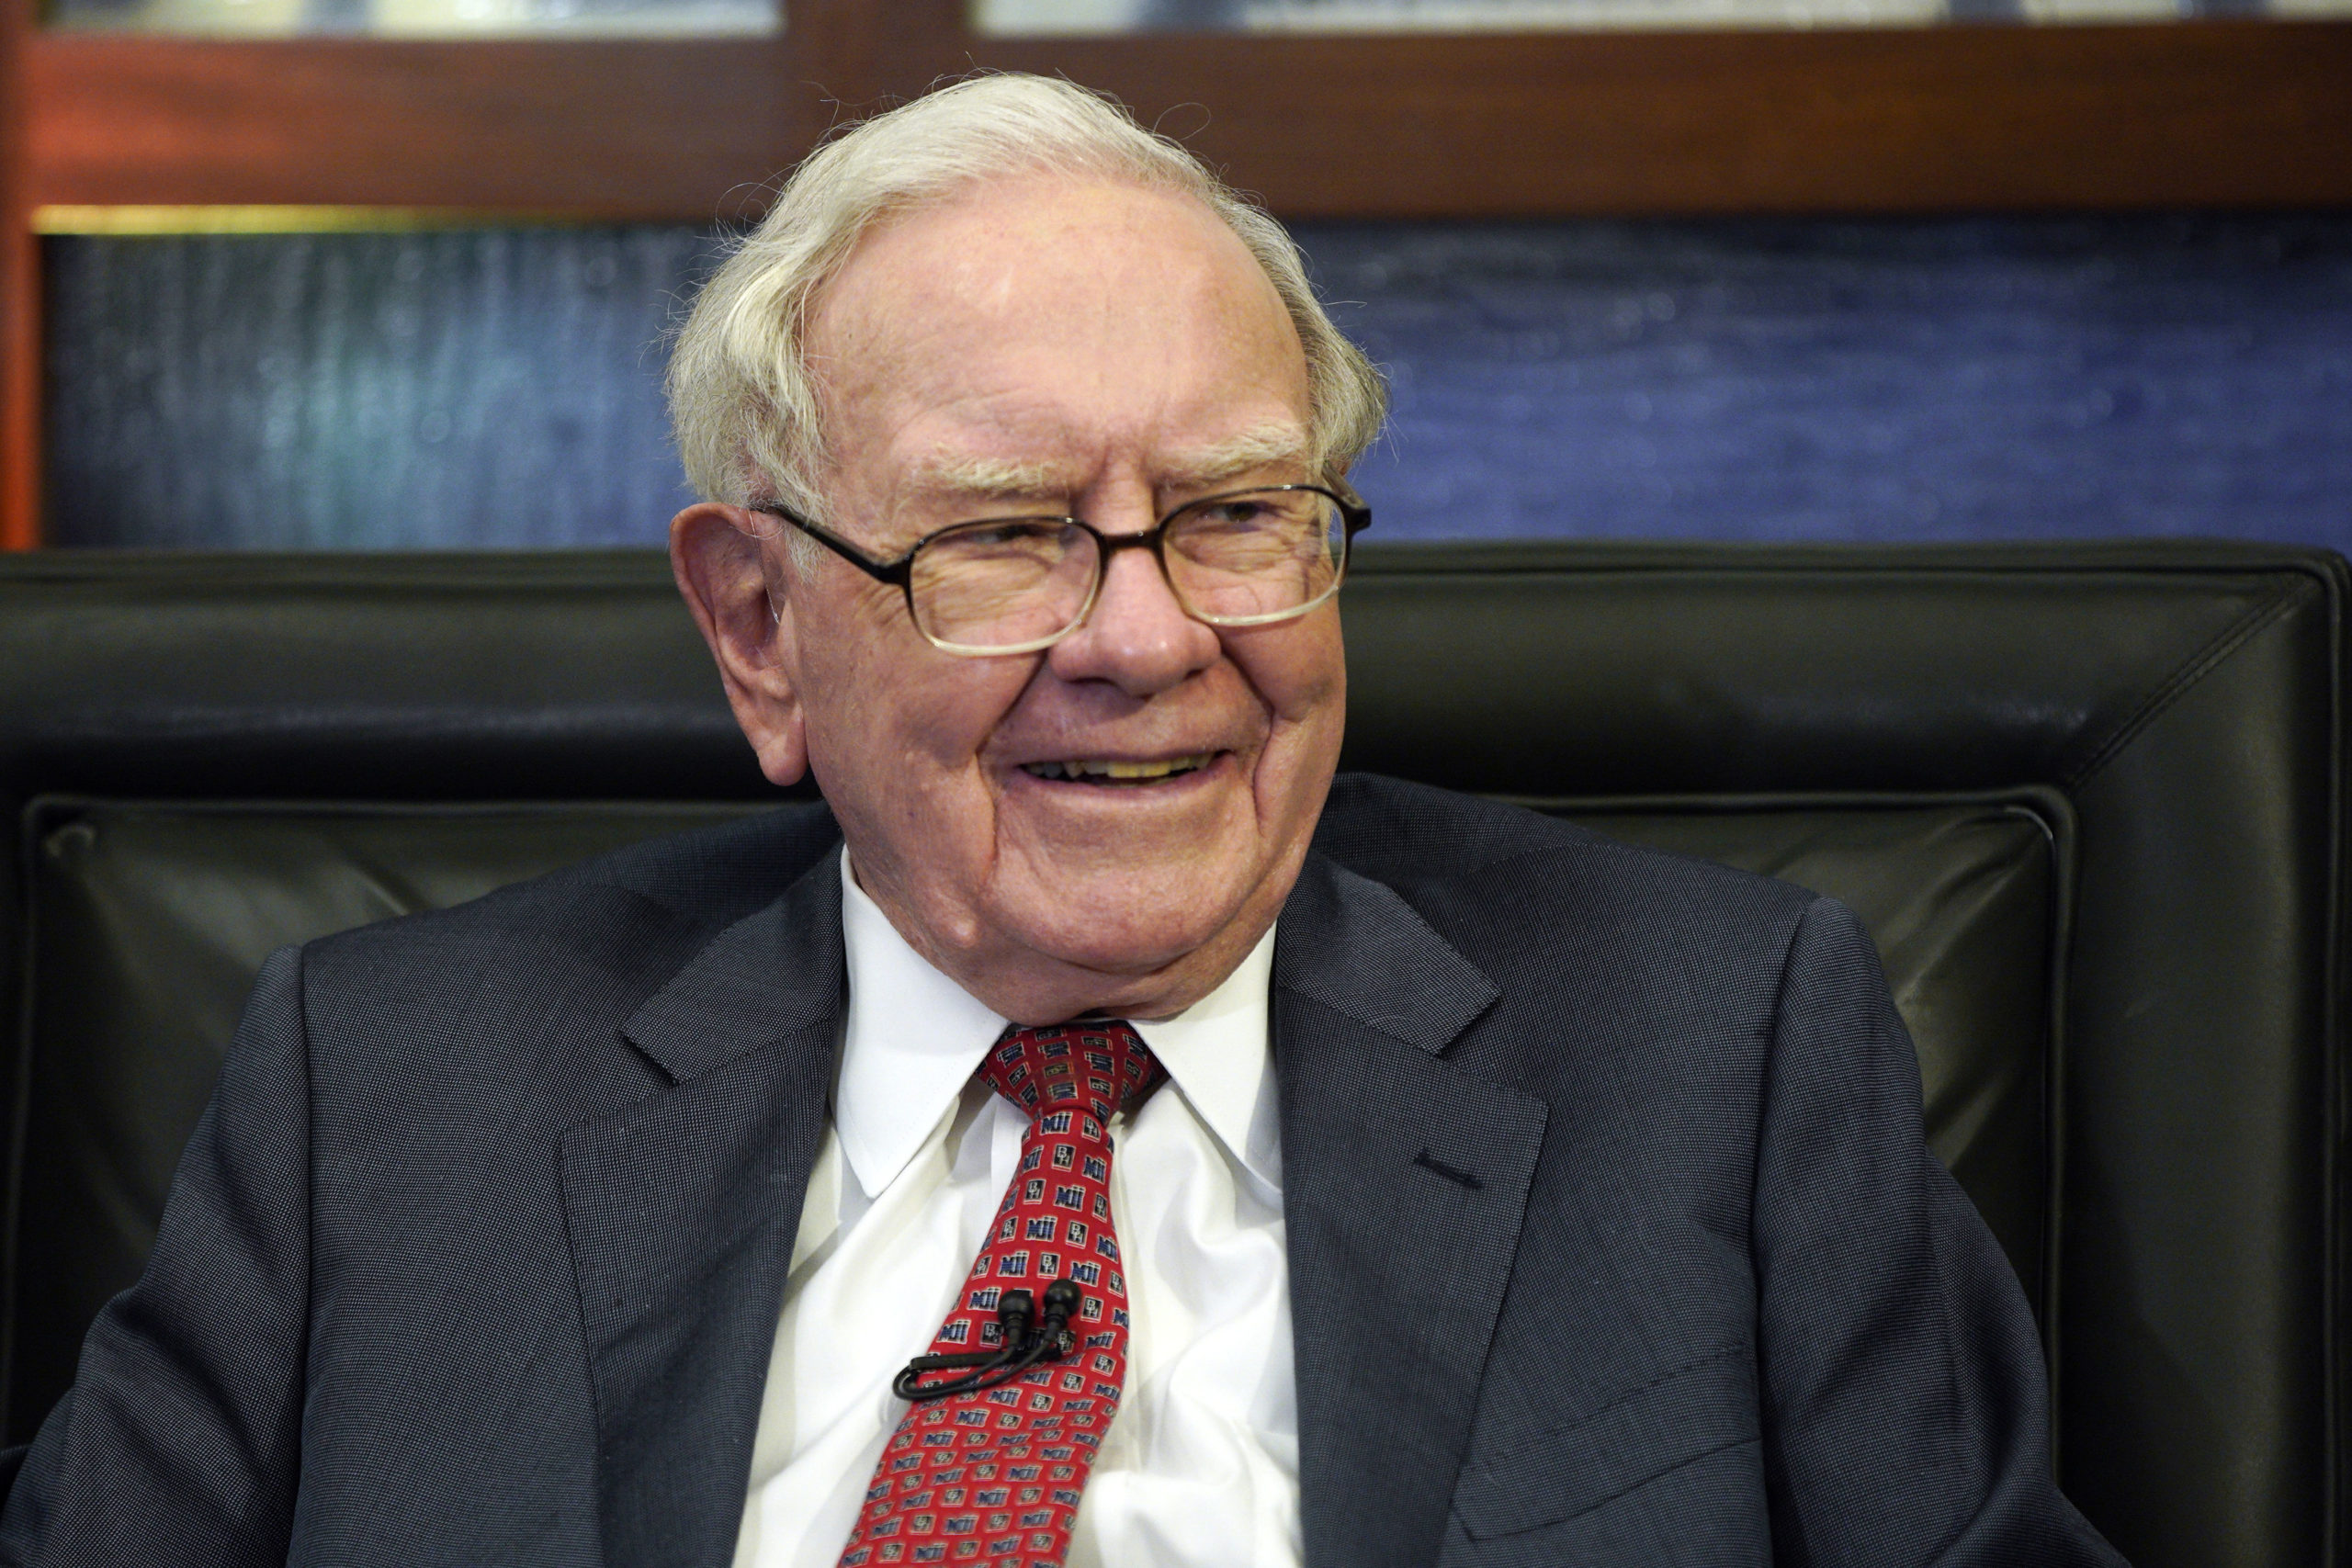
(681, 1211)
(1403, 1179)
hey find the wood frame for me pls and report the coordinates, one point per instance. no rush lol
(1894, 119)
(2238, 113)
(20, 299)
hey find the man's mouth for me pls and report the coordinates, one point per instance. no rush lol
(1108, 770)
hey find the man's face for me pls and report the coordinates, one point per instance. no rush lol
(1049, 347)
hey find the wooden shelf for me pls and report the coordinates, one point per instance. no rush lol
(19, 299)
(614, 130)
(1642, 124)
(2199, 114)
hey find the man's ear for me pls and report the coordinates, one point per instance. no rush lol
(717, 556)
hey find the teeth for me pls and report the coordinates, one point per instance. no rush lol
(1104, 768)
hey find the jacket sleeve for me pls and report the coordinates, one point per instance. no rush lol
(179, 1441)
(1905, 1404)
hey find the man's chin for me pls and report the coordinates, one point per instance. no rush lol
(1146, 961)
(1122, 954)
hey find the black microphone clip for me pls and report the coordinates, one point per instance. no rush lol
(1023, 1342)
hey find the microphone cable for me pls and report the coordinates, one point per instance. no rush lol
(1025, 1345)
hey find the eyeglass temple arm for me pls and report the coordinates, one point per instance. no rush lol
(1353, 511)
(894, 572)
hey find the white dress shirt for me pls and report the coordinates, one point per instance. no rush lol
(1200, 1467)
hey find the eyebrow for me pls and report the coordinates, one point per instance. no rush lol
(1261, 447)
(949, 473)
(953, 473)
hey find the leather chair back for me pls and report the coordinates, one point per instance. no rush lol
(2089, 799)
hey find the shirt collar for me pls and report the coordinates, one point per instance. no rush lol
(1215, 1052)
(915, 1037)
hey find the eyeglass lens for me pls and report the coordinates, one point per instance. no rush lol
(1231, 561)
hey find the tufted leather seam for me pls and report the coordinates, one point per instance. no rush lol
(2184, 679)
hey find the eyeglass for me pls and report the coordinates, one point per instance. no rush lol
(1016, 584)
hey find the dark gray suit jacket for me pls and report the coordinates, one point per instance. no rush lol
(1613, 1237)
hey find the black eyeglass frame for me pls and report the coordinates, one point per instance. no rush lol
(1354, 518)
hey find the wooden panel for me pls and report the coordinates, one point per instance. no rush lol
(2226, 113)
(620, 130)
(1887, 120)
(19, 302)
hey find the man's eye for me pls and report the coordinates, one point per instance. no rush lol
(1001, 536)
(1242, 513)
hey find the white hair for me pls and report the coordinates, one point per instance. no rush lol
(742, 399)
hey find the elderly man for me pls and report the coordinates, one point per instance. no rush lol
(1094, 1137)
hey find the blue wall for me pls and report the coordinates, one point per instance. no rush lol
(1950, 379)
(1957, 380)
(364, 390)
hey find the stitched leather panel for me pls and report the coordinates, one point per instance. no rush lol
(2183, 698)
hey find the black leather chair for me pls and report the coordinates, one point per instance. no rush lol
(2089, 799)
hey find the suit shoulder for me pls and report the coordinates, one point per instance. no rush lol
(635, 914)
(1419, 840)
(522, 996)
(1660, 969)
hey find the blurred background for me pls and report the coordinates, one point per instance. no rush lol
(386, 274)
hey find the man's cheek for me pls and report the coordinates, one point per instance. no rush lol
(1298, 671)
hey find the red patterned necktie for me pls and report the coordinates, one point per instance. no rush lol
(993, 1474)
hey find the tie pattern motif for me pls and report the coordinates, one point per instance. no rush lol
(993, 1475)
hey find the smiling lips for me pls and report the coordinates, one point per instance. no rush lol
(1105, 770)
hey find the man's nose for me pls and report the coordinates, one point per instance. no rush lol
(1137, 636)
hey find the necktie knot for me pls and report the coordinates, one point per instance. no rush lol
(1022, 1381)
(1092, 1068)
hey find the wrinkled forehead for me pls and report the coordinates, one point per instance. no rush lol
(993, 241)
(995, 340)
